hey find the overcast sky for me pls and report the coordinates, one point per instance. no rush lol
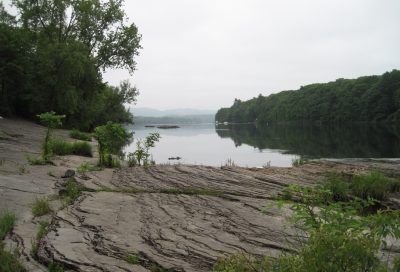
(204, 53)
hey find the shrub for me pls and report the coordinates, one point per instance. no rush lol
(372, 185)
(142, 156)
(7, 221)
(111, 139)
(55, 267)
(76, 134)
(40, 207)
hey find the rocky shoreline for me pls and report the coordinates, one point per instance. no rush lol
(175, 217)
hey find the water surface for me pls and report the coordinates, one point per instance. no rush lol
(248, 145)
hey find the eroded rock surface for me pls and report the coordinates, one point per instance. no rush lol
(143, 213)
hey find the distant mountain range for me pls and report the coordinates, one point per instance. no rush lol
(149, 112)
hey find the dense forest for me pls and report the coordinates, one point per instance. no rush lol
(53, 53)
(365, 99)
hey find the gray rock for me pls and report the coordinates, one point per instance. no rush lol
(69, 173)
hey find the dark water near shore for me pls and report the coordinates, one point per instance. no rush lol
(248, 145)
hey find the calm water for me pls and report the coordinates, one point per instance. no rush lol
(248, 145)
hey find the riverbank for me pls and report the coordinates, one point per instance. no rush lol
(179, 217)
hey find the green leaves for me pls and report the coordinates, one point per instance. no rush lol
(141, 156)
(51, 119)
(111, 138)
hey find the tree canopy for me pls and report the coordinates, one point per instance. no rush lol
(53, 53)
(365, 99)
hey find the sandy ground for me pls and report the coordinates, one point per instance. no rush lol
(145, 211)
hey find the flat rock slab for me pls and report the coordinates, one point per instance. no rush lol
(177, 232)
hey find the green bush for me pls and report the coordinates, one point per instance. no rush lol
(7, 221)
(372, 185)
(40, 207)
(142, 155)
(62, 147)
(76, 134)
(111, 139)
(51, 120)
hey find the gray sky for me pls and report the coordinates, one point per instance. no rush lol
(204, 53)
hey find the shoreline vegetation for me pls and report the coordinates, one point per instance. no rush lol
(368, 99)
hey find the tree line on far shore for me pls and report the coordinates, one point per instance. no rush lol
(365, 99)
(53, 53)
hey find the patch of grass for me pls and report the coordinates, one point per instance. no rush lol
(37, 161)
(62, 147)
(373, 185)
(42, 232)
(73, 191)
(9, 261)
(132, 259)
(76, 134)
(40, 207)
(339, 187)
(55, 267)
(298, 161)
(7, 222)
(88, 167)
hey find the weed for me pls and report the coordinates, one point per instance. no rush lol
(298, 161)
(22, 169)
(40, 207)
(230, 163)
(87, 167)
(7, 222)
(55, 267)
(132, 259)
(9, 261)
(76, 134)
(74, 190)
(37, 161)
(142, 155)
(42, 232)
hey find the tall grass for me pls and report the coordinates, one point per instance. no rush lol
(370, 185)
(40, 207)
(62, 147)
(76, 134)
(7, 222)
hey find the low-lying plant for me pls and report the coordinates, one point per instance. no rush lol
(88, 167)
(298, 161)
(132, 259)
(8, 260)
(42, 232)
(40, 207)
(76, 134)
(7, 222)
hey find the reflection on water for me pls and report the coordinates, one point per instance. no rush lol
(357, 141)
(248, 145)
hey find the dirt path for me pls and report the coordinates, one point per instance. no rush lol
(178, 217)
